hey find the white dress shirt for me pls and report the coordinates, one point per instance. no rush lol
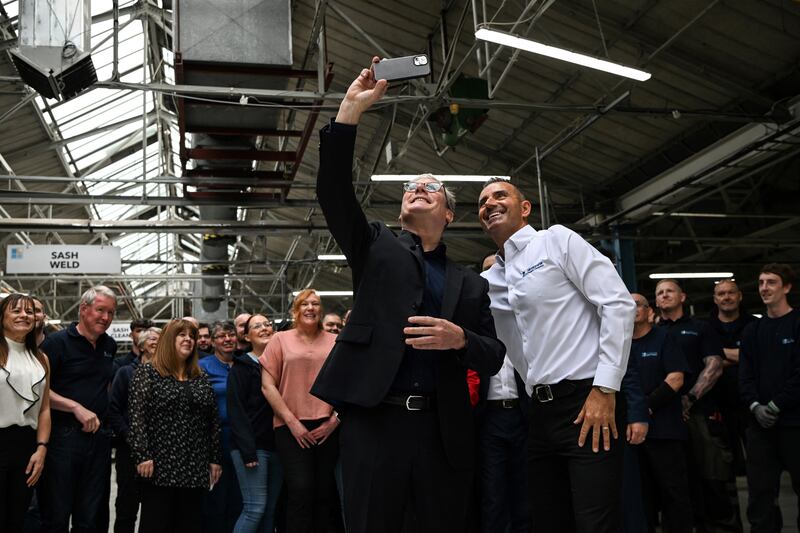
(561, 309)
(503, 386)
(22, 382)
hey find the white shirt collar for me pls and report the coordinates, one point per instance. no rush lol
(520, 239)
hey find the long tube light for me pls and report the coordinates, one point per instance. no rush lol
(440, 177)
(331, 257)
(692, 275)
(327, 293)
(506, 39)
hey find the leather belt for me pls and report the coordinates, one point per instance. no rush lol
(411, 402)
(548, 393)
(509, 403)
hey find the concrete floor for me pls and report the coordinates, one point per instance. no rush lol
(787, 501)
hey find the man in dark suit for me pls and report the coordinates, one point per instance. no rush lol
(398, 371)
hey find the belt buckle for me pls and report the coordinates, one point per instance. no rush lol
(408, 403)
(543, 398)
(507, 403)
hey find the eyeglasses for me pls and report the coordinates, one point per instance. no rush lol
(641, 304)
(260, 326)
(225, 336)
(431, 186)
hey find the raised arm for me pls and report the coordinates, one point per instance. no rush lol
(335, 193)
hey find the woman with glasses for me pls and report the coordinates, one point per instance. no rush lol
(24, 410)
(304, 424)
(223, 504)
(174, 433)
(252, 438)
(127, 502)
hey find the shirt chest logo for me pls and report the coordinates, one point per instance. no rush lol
(787, 341)
(108, 355)
(649, 354)
(530, 269)
(689, 332)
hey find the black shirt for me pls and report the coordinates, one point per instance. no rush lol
(174, 424)
(731, 335)
(769, 365)
(417, 372)
(124, 360)
(118, 418)
(80, 371)
(697, 340)
(249, 413)
(658, 354)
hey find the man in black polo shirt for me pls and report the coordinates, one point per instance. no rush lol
(77, 474)
(769, 380)
(711, 478)
(729, 323)
(662, 366)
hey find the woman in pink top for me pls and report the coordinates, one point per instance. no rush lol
(305, 426)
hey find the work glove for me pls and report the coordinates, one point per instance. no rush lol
(765, 417)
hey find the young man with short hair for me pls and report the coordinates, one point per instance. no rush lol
(769, 381)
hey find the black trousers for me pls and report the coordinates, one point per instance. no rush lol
(665, 482)
(502, 436)
(170, 509)
(17, 444)
(572, 489)
(769, 452)
(712, 483)
(128, 497)
(394, 469)
(310, 483)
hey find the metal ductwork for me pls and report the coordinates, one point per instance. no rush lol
(228, 43)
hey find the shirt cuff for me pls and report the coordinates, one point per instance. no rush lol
(338, 127)
(753, 406)
(608, 376)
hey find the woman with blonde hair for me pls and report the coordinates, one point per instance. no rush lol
(174, 433)
(304, 425)
(24, 410)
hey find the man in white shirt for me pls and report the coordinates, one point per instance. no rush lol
(566, 319)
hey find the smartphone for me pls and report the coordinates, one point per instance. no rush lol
(402, 68)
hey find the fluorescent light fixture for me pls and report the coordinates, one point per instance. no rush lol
(328, 293)
(692, 275)
(690, 215)
(54, 322)
(331, 257)
(445, 177)
(506, 39)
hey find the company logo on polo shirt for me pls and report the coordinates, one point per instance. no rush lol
(108, 355)
(787, 341)
(649, 354)
(537, 266)
(689, 332)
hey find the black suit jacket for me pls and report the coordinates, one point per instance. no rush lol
(388, 282)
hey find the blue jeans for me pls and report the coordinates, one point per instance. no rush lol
(76, 481)
(260, 486)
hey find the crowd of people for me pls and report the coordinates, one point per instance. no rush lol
(538, 395)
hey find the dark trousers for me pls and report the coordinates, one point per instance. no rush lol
(76, 481)
(502, 437)
(223, 504)
(170, 509)
(17, 444)
(665, 482)
(573, 489)
(310, 483)
(128, 497)
(769, 452)
(633, 519)
(712, 483)
(395, 469)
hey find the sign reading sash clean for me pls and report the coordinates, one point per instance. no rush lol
(63, 259)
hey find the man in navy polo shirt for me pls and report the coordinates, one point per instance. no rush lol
(662, 366)
(769, 381)
(711, 479)
(77, 473)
